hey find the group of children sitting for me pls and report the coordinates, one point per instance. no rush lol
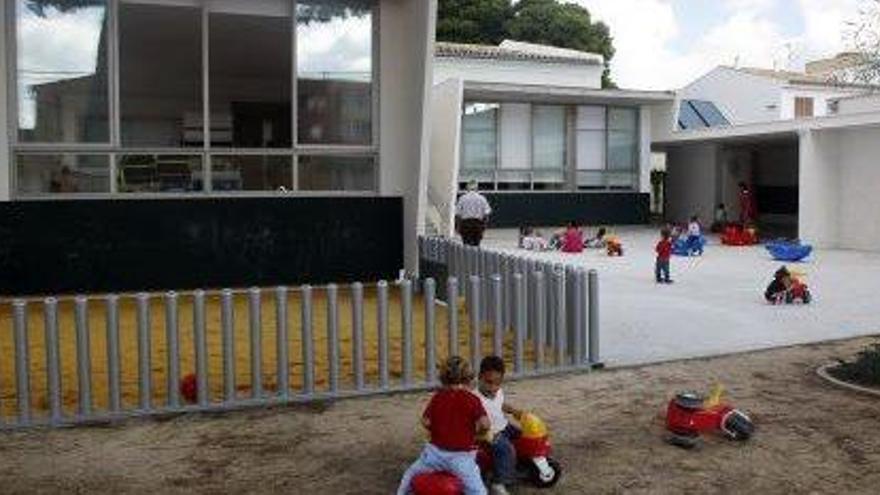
(458, 417)
(570, 240)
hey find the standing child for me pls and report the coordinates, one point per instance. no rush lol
(695, 237)
(501, 433)
(664, 253)
(454, 418)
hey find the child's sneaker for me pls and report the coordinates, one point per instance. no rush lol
(499, 489)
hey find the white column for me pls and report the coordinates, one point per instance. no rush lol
(406, 61)
(819, 194)
(5, 131)
(644, 149)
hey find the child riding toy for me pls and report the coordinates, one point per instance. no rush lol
(534, 464)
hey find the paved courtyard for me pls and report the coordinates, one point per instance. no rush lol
(716, 304)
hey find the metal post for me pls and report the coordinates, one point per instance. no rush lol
(594, 317)
(497, 321)
(83, 356)
(227, 324)
(357, 341)
(580, 321)
(430, 338)
(145, 369)
(53, 373)
(406, 330)
(476, 320)
(308, 343)
(282, 358)
(540, 295)
(22, 362)
(382, 324)
(201, 345)
(255, 320)
(113, 366)
(172, 343)
(519, 306)
(333, 336)
(452, 317)
(560, 314)
(550, 335)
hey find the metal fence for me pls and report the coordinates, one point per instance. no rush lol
(541, 318)
(559, 308)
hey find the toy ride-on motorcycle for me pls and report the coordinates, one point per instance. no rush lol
(533, 466)
(689, 414)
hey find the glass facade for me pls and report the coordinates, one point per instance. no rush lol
(521, 146)
(62, 71)
(152, 96)
(334, 72)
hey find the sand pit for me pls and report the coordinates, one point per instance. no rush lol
(129, 350)
(607, 428)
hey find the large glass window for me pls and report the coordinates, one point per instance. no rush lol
(62, 71)
(159, 173)
(548, 146)
(480, 143)
(250, 78)
(590, 150)
(336, 173)
(334, 71)
(62, 173)
(160, 75)
(623, 147)
(251, 172)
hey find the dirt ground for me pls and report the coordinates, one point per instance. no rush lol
(607, 429)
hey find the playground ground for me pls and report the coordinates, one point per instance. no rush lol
(607, 428)
(716, 304)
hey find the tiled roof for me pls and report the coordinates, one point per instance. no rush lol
(517, 51)
(792, 77)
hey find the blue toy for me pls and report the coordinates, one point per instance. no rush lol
(685, 246)
(791, 251)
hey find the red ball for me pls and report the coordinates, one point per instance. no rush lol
(437, 483)
(189, 388)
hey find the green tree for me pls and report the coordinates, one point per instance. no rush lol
(473, 21)
(564, 25)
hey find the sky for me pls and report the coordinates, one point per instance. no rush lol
(665, 44)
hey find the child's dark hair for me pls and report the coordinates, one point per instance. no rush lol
(664, 233)
(492, 363)
(525, 230)
(721, 206)
(601, 232)
(694, 218)
(456, 371)
(573, 224)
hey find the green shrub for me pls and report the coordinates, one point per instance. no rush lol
(864, 370)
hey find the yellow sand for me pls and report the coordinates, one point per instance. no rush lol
(129, 350)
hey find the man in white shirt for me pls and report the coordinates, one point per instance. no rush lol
(502, 432)
(471, 215)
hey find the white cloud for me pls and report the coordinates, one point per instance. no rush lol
(645, 32)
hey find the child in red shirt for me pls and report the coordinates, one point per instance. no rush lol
(572, 239)
(664, 252)
(454, 418)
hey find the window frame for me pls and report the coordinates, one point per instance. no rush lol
(570, 171)
(114, 148)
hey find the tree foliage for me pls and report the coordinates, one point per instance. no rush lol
(864, 36)
(548, 22)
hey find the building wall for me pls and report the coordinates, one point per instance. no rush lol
(820, 96)
(691, 181)
(407, 43)
(860, 104)
(518, 72)
(742, 98)
(445, 152)
(645, 163)
(858, 198)
(820, 193)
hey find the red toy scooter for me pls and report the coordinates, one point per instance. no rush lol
(689, 414)
(534, 464)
